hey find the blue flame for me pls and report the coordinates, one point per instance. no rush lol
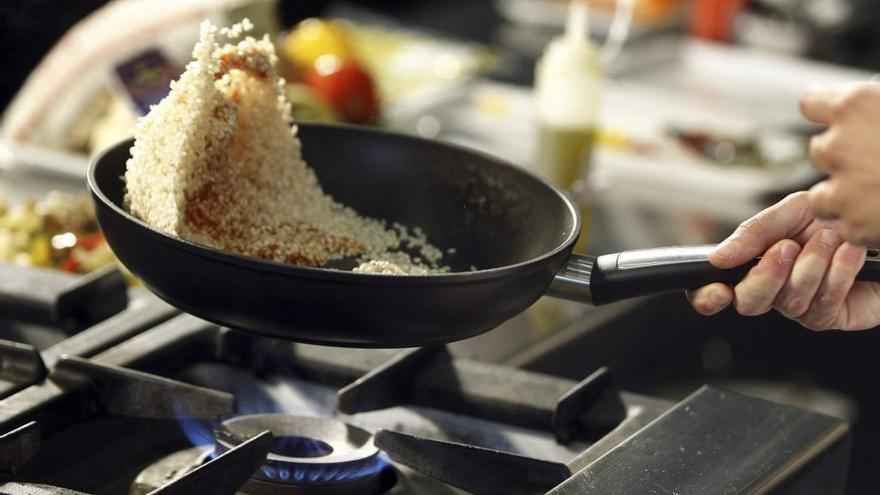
(276, 393)
(321, 474)
(199, 432)
(293, 446)
(281, 392)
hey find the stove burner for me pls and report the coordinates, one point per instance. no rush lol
(300, 447)
(310, 455)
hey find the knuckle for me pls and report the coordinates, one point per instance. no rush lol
(826, 149)
(751, 302)
(743, 303)
(825, 301)
(848, 102)
(823, 199)
(793, 307)
(811, 280)
(829, 240)
(742, 306)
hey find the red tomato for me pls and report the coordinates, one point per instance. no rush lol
(346, 86)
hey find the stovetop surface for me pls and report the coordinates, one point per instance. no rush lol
(133, 402)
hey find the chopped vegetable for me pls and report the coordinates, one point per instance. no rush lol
(345, 86)
(314, 38)
(306, 106)
(58, 231)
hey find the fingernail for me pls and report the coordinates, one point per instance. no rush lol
(725, 250)
(830, 238)
(788, 252)
(716, 299)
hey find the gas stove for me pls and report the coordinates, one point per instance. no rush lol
(110, 390)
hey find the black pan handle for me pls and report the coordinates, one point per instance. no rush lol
(613, 277)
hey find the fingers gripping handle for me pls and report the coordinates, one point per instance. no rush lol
(613, 277)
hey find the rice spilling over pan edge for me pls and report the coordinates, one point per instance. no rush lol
(217, 162)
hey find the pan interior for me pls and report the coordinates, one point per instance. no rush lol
(489, 213)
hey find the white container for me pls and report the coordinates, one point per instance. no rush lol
(568, 80)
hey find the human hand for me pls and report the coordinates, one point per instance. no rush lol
(807, 272)
(849, 152)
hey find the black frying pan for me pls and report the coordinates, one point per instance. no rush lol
(517, 230)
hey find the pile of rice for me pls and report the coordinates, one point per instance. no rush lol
(217, 162)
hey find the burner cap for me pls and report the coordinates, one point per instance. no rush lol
(321, 455)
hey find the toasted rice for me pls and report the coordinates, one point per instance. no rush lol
(218, 162)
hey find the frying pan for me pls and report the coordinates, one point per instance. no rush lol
(512, 235)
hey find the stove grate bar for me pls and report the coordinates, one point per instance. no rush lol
(431, 377)
(477, 470)
(389, 384)
(226, 472)
(144, 311)
(588, 411)
(91, 298)
(135, 394)
(20, 366)
(50, 297)
(57, 406)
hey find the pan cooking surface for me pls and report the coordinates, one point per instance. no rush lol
(492, 214)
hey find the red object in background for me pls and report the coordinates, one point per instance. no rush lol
(346, 86)
(713, 19)
(70, 265)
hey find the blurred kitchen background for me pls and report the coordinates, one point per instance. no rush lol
(675, 122)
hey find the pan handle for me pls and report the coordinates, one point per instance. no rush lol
(613, 277)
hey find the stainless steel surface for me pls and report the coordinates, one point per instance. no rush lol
(779, 449)
(573, 281)
(641, 258)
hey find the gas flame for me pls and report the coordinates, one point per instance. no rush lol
(324, 474)
(269, 395)
(199, 433)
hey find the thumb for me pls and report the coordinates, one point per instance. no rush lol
(754, 236)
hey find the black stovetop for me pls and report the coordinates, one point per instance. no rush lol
(132, 403)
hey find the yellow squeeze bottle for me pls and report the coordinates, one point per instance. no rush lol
(568, 81)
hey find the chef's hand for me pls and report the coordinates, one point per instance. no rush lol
(809, 240)
(849, 152)
(807, 272)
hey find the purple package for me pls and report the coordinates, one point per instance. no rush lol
(146, 78)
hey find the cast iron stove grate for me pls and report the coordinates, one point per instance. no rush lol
(145, 402)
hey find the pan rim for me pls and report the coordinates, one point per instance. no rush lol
(277, 267)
